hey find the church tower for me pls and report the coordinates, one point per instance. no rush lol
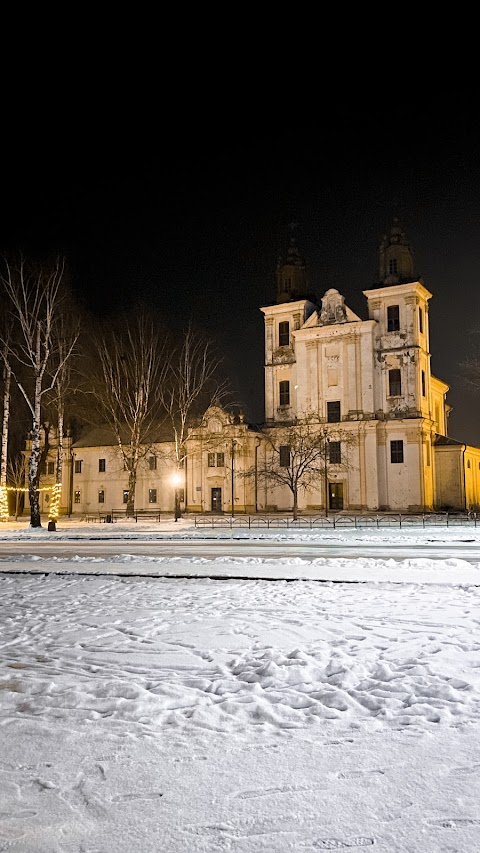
(399, 304)
(291, 275)
(396, 257)
(292, 309)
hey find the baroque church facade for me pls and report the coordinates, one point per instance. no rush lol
(365, 384)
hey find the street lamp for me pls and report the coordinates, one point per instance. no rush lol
(326, 442)
(259, 441)
(176, 482)
(234, 444)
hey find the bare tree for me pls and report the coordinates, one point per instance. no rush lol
(16, 479)
(65, 336)
(128, 388)
(35, 295)
(192, 385)
(300, 454)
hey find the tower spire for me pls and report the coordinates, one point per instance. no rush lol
(291, 273)
(396, 257)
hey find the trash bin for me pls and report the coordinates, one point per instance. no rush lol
(108, 519)
(52, 526)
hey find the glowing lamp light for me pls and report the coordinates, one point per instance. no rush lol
(176, 479)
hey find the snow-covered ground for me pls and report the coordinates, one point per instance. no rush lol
(190, 714)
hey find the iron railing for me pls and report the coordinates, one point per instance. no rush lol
(333, 521)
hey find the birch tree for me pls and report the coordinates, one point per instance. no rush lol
(65, 336)
(192, 385)
(35, 295)
(128, 388)
(7, 377)
(16, 479)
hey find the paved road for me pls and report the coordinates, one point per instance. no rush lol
(211, 549)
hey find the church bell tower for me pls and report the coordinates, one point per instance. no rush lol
(396, 257)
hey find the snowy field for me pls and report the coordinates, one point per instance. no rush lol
(179, 715)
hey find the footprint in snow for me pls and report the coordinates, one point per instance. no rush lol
(123, 798)
(337, 844)
(453, 822)
(351, 774)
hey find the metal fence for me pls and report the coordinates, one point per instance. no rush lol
(318, 522)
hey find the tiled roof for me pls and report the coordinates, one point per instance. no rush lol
(104, 437)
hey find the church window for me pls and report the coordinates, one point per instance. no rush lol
(216, 459)
(77, 496)
(78, 466)
(394, 383)
(392, 266)
(285, 456)
(420, 320)
(125, 496)
(152, 463)
(396, 451)
(333, 411)
(152, 496)
(284, 334)
(335, 452)
(50, 467)
(101, 464)
(393, 318)
(284, 391)
(101, 496)
(424, 391)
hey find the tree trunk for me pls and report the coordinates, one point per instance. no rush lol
(34, 476)
(34, 461)
(295, 505)
(6, 416)
(57, 489)
(132, 482)
(4, 512)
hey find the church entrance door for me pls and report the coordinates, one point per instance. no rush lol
(216, 500)
(335, 495)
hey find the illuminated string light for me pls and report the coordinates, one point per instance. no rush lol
(54, 511)
(40, 489)
(3, 503)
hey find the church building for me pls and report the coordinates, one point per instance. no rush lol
(365, 384)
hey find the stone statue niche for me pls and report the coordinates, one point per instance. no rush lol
(333, 308)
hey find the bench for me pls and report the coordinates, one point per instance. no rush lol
(105, 517)
(138, 514)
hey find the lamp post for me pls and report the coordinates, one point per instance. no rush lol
(176, 481)
(234, 443)
(326, 442)
(256, 473)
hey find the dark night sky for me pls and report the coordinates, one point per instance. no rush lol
(193, 219)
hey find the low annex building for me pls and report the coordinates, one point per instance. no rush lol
(365, 384)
